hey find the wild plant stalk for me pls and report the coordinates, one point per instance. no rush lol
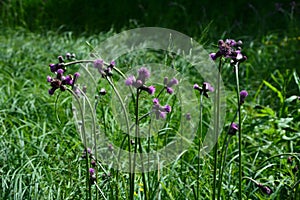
(199, 146)
(88, 185)
(135, 141)
(223, 160)
(131, 192)
(93, 131)
(217, 115)
(236, 69)
(138, 146)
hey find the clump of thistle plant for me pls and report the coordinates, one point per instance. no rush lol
(144, 94)
(64, 81)
(230, 50)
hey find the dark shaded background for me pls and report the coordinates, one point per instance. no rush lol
(190, 17)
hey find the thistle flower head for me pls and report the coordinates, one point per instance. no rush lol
(151, 89)
(60, 71)
(172, 82)
(229, 49)
(98, 64)
(92, 171)
(196, 86)
(206, 87)
(112, 63)
(233, 129)
(169, 84)
(168, 108)
(130, 80)
(160, 111)
(139, 82)
(169, 90)
(265, 189)
(243, 95)
(155, 101)
(143, 74)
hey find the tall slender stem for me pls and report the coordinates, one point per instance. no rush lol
(88, 186)
(136, 138)
(199, 146)
(127, 127)
(222, 161)
(217, 103)
(236, 68)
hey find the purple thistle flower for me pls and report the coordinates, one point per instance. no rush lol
(60, 71)
(229, 49)
(213, 56)
(49, 79)
(265, 189)
(155, 101)
(162, 115)
(160, 111)
(98, 64)
(143, 74)
(138, 83)
(197, 87)
(112, 63)
(92, 171)
(68, 80)
(51, 91)
(168, 108)
(231, 42)
(170, 90)
(53, 67)
(169, 84)
(233, 129)
(151, 89)
(76, 75)
(208, 87)
(130, 80)
(243, 95)
(172, 82)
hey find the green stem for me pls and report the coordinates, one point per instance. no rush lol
(236, 68)
(199, 146)
(222, 161)
(88, 186)
(217, 103)
(127, 127)
(279, 155)
(148, 148)
(99, 189)
(136, 138)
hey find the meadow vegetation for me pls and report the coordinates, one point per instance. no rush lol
(41, 153)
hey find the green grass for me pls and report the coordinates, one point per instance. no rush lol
(40, 156)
